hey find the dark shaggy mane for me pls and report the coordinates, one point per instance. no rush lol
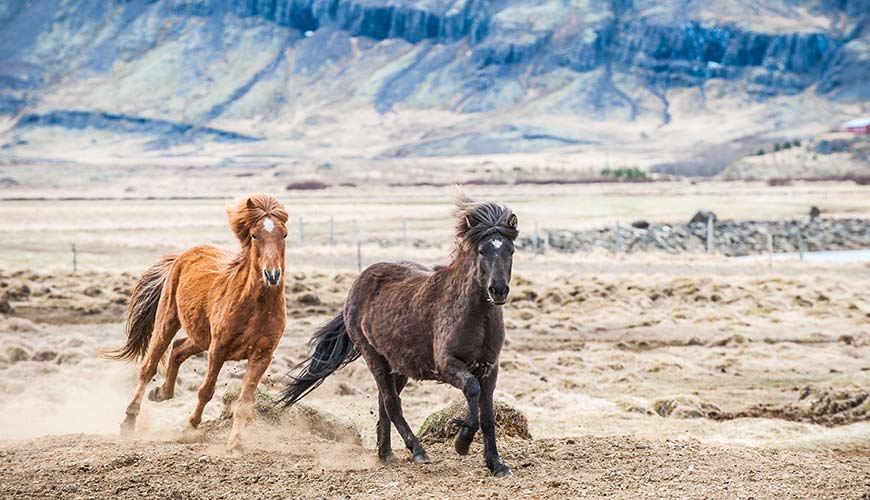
(475, 221)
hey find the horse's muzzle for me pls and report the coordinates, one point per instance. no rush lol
(272, 277)
(498, 293)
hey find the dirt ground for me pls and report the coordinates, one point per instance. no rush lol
(655, 376)
(738, 382)
(87, 466)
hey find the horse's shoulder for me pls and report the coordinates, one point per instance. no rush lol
(202, 252)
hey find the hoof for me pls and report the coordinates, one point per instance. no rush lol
(389, 458)
(462, 443)
(128, 427)
(501, 470)
(236, 450)
(154, 395)
(421, 458)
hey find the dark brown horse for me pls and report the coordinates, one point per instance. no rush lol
(231, 305)
(443, 324)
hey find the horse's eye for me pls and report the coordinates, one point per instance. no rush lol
(285, 236)
(480, 251)
(253, 236)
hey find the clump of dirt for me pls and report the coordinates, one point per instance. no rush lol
(829, 407)
(269, 411)
(685, 407)
(441, 425)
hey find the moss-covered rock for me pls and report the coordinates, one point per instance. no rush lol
(269, 411)
(440, 426)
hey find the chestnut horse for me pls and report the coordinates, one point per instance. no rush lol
(443, 324)
(231, 305)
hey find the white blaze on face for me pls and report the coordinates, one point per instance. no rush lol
(268, 225)
(496, 243)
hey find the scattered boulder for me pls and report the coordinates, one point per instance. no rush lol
(268, 410)
(5, 306)
(17, 353)
(685, 407)
(308, 299)
(640, 224)
(20, 292)
(702, 217)
(815, 212)
(92, 291)
(440, 426)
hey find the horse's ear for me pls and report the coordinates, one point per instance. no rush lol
(250, 203)
(512, 221)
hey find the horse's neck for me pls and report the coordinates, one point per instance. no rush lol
(246, 281)
(460, 281)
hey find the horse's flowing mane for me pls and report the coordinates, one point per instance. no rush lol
(243, 215)
(246, 212)
(475, 220)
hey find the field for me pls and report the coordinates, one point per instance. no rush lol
(650, 376)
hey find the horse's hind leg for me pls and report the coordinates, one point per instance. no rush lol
(385, 449)
(181, 350)
(166, 325)
(392, 404)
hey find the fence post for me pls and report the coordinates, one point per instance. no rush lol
(537, 240)
(358, 257)
(617, 244)
(801, 246)
(405, 233)
(710, 234)
(75, 259)
(301, 231)
(331, 230)
(769, 249)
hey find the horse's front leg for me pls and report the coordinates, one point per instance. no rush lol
(487, 424)
(258, 362)
(457, 374)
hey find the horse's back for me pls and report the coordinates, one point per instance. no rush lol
(385, 309)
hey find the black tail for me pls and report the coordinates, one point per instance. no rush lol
(333, 349)
(142, 310)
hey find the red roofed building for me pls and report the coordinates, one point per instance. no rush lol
(858, 126)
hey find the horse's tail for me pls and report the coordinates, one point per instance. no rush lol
(332, 349)
(142, 310)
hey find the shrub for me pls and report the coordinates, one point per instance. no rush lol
(306, 185)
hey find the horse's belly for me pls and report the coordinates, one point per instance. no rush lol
(407, 353)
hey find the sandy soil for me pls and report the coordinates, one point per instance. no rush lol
(83, 466)
(674, 383)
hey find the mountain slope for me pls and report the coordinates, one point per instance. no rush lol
(420, 78)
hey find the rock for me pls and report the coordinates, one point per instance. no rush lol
(702, 217)
(439, 426)
(17, 354)
(814, 212)
(308, 299)
(269, 411)
(92, 291)
(685, 407)
(5, 306)
(640, 224)
(19, 292)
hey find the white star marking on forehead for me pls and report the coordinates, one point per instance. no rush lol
(496, 243)
(268, 225)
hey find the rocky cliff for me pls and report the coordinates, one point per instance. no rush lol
(189, 72)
